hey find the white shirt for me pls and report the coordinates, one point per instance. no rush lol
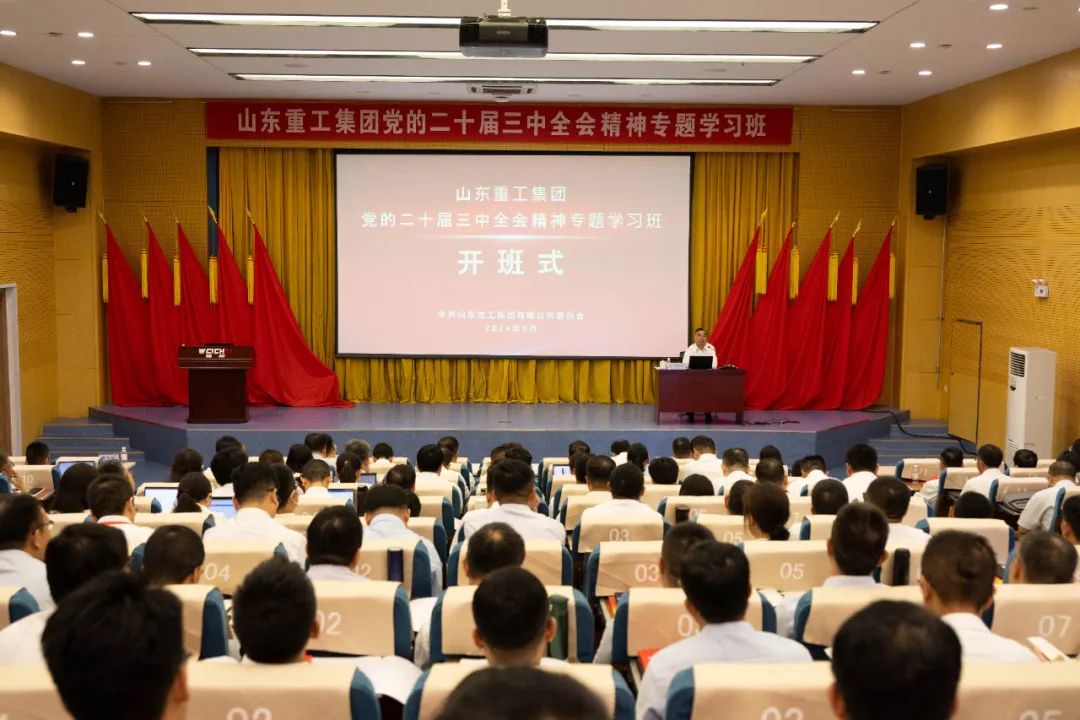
(722, 642)
(134, 534)
(326, 571)
(616, 508)
(733, 477)
(978, 643)
(929, 491)
(254, 523)
(708, 465)
(388, 527)
(905, 536)
(619, 459)
(695, 350)
(795, 487)
(530, 525)
(21, 570)
(1040, 507)
(856, 484)
(785, 613)
(317, 491)
(981, 483)
(20, 642)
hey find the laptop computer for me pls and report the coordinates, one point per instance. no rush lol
(701, 362)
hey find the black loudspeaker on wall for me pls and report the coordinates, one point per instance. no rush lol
(932, 190)
(70, 173)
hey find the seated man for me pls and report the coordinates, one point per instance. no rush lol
(638, 455)
(333, 545)
(598, 469)
(514, 489)
(1024, 458)
(827, 497)
(1043, 558)
(988, 461)
(577, 447)
(813, 470)
(950, 457)
(386, 512)
(256, 503)
(322, 446)
(735, 464)
(513, 624)
(37, 453)
(1070, 519)
(382, 458)
(115, 649)
(698, 485)
(716, 579)
(957, 584)
(75, 556)
(226, 463)
(273, 613)
(526, 693)
(892, 497)
(315, 479)
(664, 471)
(705, 461)
(861, 463)
(894, 661)
(1040, 507)
(619, 451)
(682, 453)
(25, 530)
(429, 463)
(174, 555)
(112, 503)
(771, 470)
(972, 505)
(627, 487)
(735, 496)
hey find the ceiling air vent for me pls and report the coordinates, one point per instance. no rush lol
(501, 92)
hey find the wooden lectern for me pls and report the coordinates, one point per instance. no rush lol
(701, 391)
(217, 382)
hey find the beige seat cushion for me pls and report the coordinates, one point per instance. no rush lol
(262, 692)
(996, 532)
(619, 528)
(624, 565)
(229, 561)
(355, 618)
(830, 607)
(658, 617)
(192, 605)
(192, 520)
(655, 493)
(796, 691)
(956, 478)
(921, 469)
(697, 504)
(28, 693)
(820, 526)
(1051, 612)
(917, 510)
(794, 565)
(543, 558)
(726, 528)
(299, 523)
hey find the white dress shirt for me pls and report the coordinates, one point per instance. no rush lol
(978, 643)
(316, 491)
(708, 465)
(785, 613)
(530, 525)
(617, 508)
(619, 459)
(1040, 507)
(389, 527)
(733, 477)
(905, 536)
(20, 642)
(134, 534)
(326, 571)
(722, 642)
(856, 484)
(695, 350)
(19, 569)
(981, 483)
(254, 523)
(795, 487)
(929, 492)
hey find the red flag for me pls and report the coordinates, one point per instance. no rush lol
(870, 328)
(837, 337)
(806, 341)
(164, 325)
(285, 367)
(131, 377)
(766, 372)
(198, 325)
(729, 335)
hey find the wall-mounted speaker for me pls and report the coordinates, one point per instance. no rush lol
(70, 173)
(932, 190)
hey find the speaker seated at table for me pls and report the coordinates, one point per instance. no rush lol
(15, 604)
(199, 522)
(792, 566)
(417, 574)
(206, 626)
(694, 504)
(591, 531)
(615, 567)
(822, 611)
(229, 561)
(548, 560)
(362, 618)
(997, 532)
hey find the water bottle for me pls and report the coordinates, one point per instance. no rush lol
(559, 646)
(395, 564)
(123, 454)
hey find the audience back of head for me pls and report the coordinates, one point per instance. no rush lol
(1044, 558)
(861, 458)
(495, 545)
(958, 571)
(510, 609)
(598, 471)
(173, 556)
(767, 507)
(37, 453)
(952, 457)
(697, 485)
(70, 495)
(382, 451)
(299, 456)
(1024, 458)
(973, 505)
(522, 693)
(274, 612)
(620, 446)
(770, 451)
(577, 447)
(681, 448)
(334, 536)
(638, 455)
(226, 463)
(828, 496)
(890, 495)
(186, 461)
(404, 476)
(990, 456)
(80, 553)
(716, 579)
(664, 471)
(1070, 519)
(627, 482)
(109, 495)
(735, 497)
(678, 541)
(857, 541)
(770, 470)
(512, 481)
(735, 458)
(192, 489)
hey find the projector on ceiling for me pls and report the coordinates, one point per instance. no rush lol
(493, 36)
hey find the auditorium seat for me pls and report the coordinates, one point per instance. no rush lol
(918, 469)
(557, 481)
(35, 476)
(299, 523)
(822, 611)
(952, 481)
(452, 624)
(726, 528)
(1035, 472)
(197, 521)
(229, 561)
(295, 690)
(653, 618)
(312, 505)
(655, 493)
(440, 508)
(570, 512)
(1062, 494)
(694, 503)
(816, 527)
(431, 530)
(449, 491)
(615, 567)
(792, 566)
(145, 504)
(362, 618)
(417, 570)
(888, 571)
(62, 520)
(917, 511)
(1003, 486)
(1051, 612)
(27, 692)
(206, 626)
(549, 560)
(590, 532)
(800, 508)
(997, 532)
(15, 604)
(434, 687)
(476, 502)
(563, 494)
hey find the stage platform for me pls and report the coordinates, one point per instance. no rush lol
(545, 429)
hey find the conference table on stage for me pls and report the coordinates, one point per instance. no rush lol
(722, 390)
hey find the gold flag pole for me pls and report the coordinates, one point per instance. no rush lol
(250, 265)
(176, 266)
(855, 267)
(793, 267)
(144, 278)
(212, 265)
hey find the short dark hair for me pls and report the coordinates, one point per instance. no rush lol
(511, 478)
(678, 542)
(620, 446)
(382, 451)
(271, 457)
(253, 482)
(80, 553)
(952, 456)
(703, 444)
(599, 468)
(495, 545)
(523, 693)
(348, 466)
(638, 455)
(192, 488)
(882, 653)
(226, 463)
(991, 455)
(273, 611)
(429, 458)
(70, 495)
(316, 471)
(576, 447)
(360, 448)
(227, 441)
(960, 567)
(814, 462)
(284, 481)
(627, 481)
(735, 496)
(700, 329)
(696, 485)
(449, 442)
(37, 453)
(770, 470)
(797, 467)
(112, 466)
(385, 496)
(862, 458)
(510, 609)
(770, 451)
(334, 536)
(681, 447)
(1024, 458)
(319, 442)
(664, 471)
(516, 451)
(108, 495)
(890, 495)
(859, 534)
(172, 553)
(1048, 558)
(973, 505)
(716, 579)
(404, 476)
(20, 515)
(1070, 514)
(186, 461)
(770, 508)
(578, 465)
(735, 457)
(112, 629)
(1061, 468)
(299, 456)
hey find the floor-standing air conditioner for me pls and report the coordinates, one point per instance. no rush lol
(1030, 412)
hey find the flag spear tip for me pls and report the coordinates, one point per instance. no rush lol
(213, 215)
(102, 216)
(761, 220)
(835, 218)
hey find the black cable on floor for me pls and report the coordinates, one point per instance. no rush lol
(896, 419)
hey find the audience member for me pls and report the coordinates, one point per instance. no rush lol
(193, 493)
(796, 468)
(449, 442)
(188, 460)
(973, 505)
(273, 613)
(894, 661)
(271, 457)
(579, 465)
(112, 503)
(770, 451)
(349, 466)
(228, 441)
(316, 478)
(705, 462)
(988, 461)
(404, 476)
(37, 453)
(115, 468)
(362, 450)
(735, 498)
(517, 451)
(382, 459)
(771, 470)
(521, 693)
(950, 457)
(299, 456)
(812, 471)
(9, 478)
(386, 512)
(70, 495)
(890, 495)
(1039, 511)
(577, 447)
(429, 462)
(322, 447)
(1070, 519)
(861, 464)
(513, 624)
(1024, 458)
(1043, 558)
(735, 463)
(174, 555)
(664, 471)
(333, 545)
(25, 531)
(767, 510)
(957, 584)
(627, 487)
(512, 483)
(256, 503)
(619, 451)
(224, 466)
(638, 455)
(598, 474)
(827, 497)
(697, 485)
(681, 449)
(288, 492)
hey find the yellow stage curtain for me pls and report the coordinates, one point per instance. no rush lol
(290, 193)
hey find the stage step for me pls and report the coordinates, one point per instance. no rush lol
(897, 445)
(77, 427)
(85, 436)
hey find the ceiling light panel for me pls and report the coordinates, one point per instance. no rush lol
(412, 79)
(550, 57)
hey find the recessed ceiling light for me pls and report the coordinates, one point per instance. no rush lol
(994, 46)
(8, 33)
(999, 6)
(78, 62)
(456, 55)
(86, 34)
(144, 63)
(926, 73)
(298, 77)
(858, 71)
(917, 45)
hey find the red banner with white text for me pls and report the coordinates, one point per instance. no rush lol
(630, 125)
